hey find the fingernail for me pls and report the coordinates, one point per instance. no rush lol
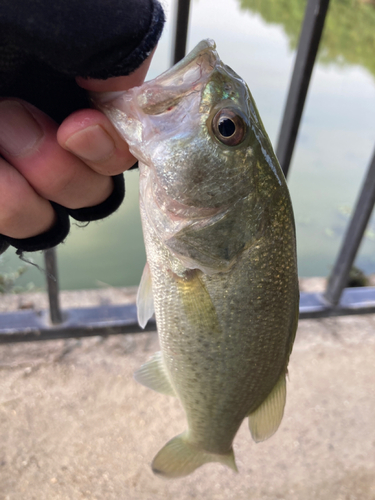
(19, 132)
(93, 144)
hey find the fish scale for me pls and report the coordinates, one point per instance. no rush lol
(221, 272)
(184, 359)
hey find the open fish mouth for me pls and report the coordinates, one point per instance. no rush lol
(173, 85)
(186, 77)
(139, 113)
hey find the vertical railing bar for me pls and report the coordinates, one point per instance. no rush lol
(53, 286)
(308, 44)
(181, 30)
(353, 237)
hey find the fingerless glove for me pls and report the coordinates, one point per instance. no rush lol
(44, 45)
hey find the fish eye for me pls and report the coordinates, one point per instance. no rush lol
(229, 127)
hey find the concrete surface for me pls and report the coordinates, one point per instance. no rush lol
(75, 425)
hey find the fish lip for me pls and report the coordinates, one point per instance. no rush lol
(205, 48)
(101, 98)
(177, 211)
(186, 77)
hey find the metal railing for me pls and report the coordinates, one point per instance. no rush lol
(336, 300)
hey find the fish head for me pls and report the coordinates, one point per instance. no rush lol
(196, 129)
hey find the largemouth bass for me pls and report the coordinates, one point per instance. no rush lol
(221, 270)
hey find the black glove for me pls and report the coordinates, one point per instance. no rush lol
(45, 44)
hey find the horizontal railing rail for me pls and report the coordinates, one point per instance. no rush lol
(28, 325)
(337, 300)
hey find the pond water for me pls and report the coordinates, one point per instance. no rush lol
(257, 38)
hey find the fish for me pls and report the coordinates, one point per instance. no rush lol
(221, 271)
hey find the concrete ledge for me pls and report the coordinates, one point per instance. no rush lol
(75, 425)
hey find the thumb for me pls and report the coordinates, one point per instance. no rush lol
(88, 134)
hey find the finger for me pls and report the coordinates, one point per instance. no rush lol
(90, 135)
(120, 82)
(23, 213)
(28, 143)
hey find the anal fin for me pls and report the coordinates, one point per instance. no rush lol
(153, 374)
(265, 420)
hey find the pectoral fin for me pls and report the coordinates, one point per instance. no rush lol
(179, 458)
(145, 298)
(265, 420)
(197, 303)
(154, 375)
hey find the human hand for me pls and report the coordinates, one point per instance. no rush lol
(71, 165)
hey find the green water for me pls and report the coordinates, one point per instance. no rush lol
(257, 38)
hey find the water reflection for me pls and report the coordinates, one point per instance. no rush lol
(349, 34)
